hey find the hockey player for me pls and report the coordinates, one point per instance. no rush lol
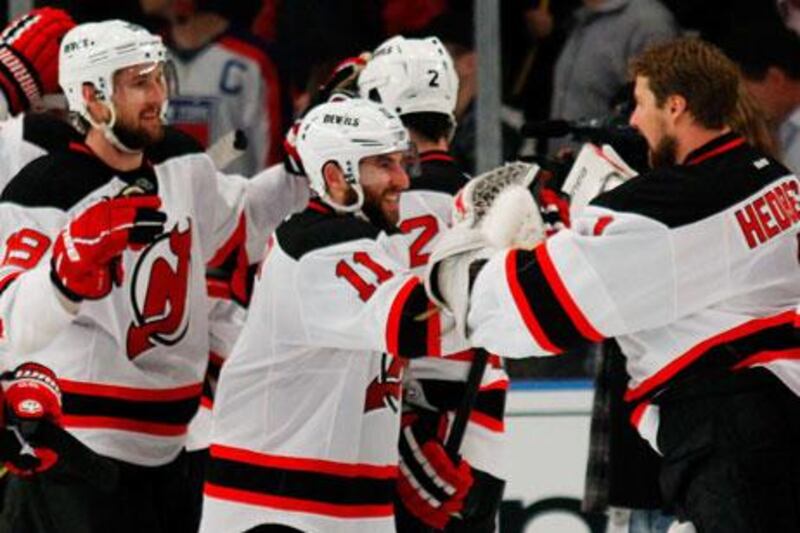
(130, 365)
(320, 359)
(227, 79)
(416, 79)
(693, 267)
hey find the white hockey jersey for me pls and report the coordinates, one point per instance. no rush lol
(437, 384)
(306, 415)
(31, 311)
(131, 364)
(693, 269)
(230, 84)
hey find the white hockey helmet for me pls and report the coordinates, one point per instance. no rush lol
(93, 52)
(411, 76)
(346, 131)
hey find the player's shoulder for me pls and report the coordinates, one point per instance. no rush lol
(49, 131)
(58, 179)
(438, 173)
(684, 194)
(317, 227)
(243, 43)
(175, 143)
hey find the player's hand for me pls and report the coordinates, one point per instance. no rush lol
(291, 157)
(553, 203)
(430, 485)
(87, 253)
(31, 395)
(29, 52)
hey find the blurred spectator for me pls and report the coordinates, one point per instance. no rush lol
(790, 12)
(456, 30)
(408, 16)
(771, 70)
(592, 66)
(227, 80)
(313, 36)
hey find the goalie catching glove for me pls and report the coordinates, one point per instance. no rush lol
(87, 253)
(495, 210)
(430, 485)
(32, 395)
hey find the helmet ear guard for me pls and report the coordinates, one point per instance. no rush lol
(345, 132)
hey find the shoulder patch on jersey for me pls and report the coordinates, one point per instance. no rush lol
(677, 196)
(312, 229)
(48, 131)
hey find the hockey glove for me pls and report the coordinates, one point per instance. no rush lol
(87, 253)
(493, 211)
(29, 57)
(32, 395)
(291, 157)
(343, 79)
(430, 485)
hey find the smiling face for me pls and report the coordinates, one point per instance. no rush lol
(653, 122)
(140, 92)
(383, 178)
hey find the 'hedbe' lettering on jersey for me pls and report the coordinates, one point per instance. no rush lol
(340, 119)
(770, 214)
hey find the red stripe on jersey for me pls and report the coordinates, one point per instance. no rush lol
(436, 156)
(215, 359)
(434, 331)
(124, 424)
(716, 151)
(80, 147)
(500, 384)
(524, 308)
(601, 225)
(396, 315)
(296, 504)
(768, 356)
(236, 240)
(321, 466)
(272, 98)
(688, 357)
(579, 320)
(468, 356)
(319, 207)
(217, 288)
(638, 413)
(207, 402)
(119, 392)
(486, 421)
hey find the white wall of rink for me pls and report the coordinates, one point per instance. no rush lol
(548, 434)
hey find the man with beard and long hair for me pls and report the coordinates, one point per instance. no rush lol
(693, 268)
(130, 364)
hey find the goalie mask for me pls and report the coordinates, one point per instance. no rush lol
(93, 52)
(345, 132)
(411, 76)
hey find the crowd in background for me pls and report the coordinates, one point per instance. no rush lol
(560, 60)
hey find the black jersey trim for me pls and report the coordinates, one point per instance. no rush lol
(317, 227)
(716, 179)
(306, 485)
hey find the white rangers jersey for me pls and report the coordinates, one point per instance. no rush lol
(306, 415)
(438, 383)
(131, 364)
(693, 269)
(230, 84)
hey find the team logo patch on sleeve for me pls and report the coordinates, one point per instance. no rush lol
(384, 390)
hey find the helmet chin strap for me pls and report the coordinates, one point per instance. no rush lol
(351, 208)
(108, 129)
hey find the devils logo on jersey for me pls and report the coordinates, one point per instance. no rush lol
(159, 291)
(384, 390)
